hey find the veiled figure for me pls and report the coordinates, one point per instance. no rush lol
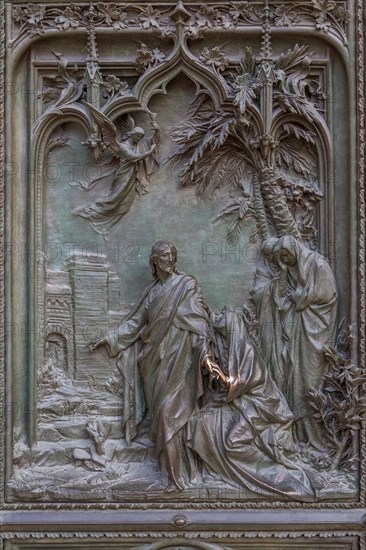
(296, 304)
(247, 439)
(266, 296)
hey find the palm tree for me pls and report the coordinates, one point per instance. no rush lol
(260, 149)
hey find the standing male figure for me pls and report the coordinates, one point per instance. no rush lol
(173, 326)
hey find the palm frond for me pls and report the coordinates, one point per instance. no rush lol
(201, 105)
(295, 104)
(254, 237)
(291, 155)
(205, 172)
(227, 176)
(246, 88)
(239, 211)
(299, 133)
(292, 57)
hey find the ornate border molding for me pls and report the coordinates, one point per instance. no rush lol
(183, 506)
(362, 292)
(2, 241)
(33, 20)
(360, 49)
(189, 535)
(204, 540)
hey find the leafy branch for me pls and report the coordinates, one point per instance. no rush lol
(238, 212)
(246, 84)
(339, 405)
(225, 153)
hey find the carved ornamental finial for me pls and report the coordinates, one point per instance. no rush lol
(180, 14)
(93, 77)
(92, 45)
(266, 51)
(266, 77)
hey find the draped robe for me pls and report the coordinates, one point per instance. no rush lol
(295, 328)
(265, 294)
(247, 439)
(172, 324)
(124, 181)
(309, 320)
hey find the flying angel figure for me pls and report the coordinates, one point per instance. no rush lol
(137, 163)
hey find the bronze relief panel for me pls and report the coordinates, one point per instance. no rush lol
(184, 254)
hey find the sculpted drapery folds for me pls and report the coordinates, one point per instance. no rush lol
(226, 397)
(297, 309)
(172, 324)
(243, 431)
(248, 438)
(136, 164)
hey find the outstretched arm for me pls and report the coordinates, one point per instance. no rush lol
(147, 153)
(97, 343)
(130, 155)
(123, 336)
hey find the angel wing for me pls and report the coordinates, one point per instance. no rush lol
(108, 129)
(125, 125)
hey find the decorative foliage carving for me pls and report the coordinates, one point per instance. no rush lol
(148, 59)
(207, 17)
(327, 13)
(149, 17)
(327, 16)
(63, 89)
(228, 16)
(31, 19)
(220, 148)
(340, 403)
(114, 16)
(114, 88)
(214, 58)
(286, 16)
(241, 11)
(69, 19)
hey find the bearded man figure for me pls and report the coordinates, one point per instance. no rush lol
(171, 325)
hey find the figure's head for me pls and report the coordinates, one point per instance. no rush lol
(286, 250)
(287, 258)
(268, 248)
(136, 134)
(163, 258)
